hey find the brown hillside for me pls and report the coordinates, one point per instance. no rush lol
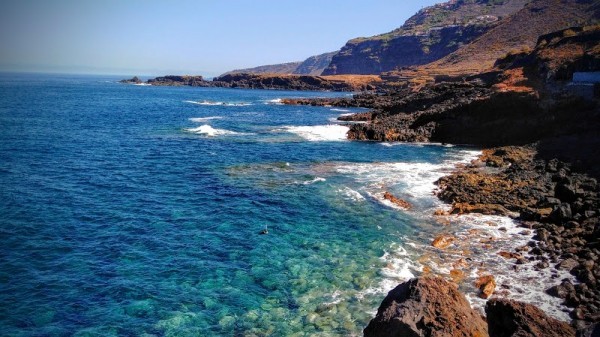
(518, 32)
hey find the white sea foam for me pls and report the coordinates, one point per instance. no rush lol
(400, 267)
(351, 194)
(418, 144)
(204, 119)
(212, 132)
(483, 237)
(479, 237)
(219, 103)
(142, 84)
(315, 180)
(318, 132)
(277, 101)
(341, 110)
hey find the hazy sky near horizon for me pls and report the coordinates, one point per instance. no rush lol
(206, 37)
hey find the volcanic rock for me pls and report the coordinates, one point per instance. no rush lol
(508, 318)
(486, 285)
(443, 241)
(426, 306)
(399, 202)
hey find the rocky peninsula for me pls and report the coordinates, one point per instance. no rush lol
(351, 83)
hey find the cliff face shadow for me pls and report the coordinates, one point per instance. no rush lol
(581, 150)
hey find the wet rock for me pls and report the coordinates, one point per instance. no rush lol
(488, 209)
(426, 306)
(568, 264)
(440, 212)
(551, 202)
(509, 255)
(399, 202)
(562, 212)
(542, 265)
(457, 275)
(486, 285)
(589, 331)
(565, 192)
(542, 235)
(511, 318)
(443, 241)
(560, 291)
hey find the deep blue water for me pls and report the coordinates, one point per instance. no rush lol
(121, 214)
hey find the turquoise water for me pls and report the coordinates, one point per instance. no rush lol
(135, 211)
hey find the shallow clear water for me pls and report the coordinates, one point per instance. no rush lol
(130, 210)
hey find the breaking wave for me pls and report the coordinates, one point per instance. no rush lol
(318, 132)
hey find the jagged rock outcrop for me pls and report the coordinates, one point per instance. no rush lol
(426, 306)
(176, 80)
(431, 34)
(274, 81)
(133, 80)
(295, 82)
(508, 318)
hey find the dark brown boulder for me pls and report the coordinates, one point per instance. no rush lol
(426, 306)
(508, 318)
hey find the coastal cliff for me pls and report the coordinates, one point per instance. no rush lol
(429, 35)
(386, 53)
(516, 33)
(526, 101)
(313, 65)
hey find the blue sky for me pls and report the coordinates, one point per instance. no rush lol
(205, 37)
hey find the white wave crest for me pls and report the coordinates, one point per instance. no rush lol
(340, 110)
(219, 103)
(204, 119)
(210, 131)
(277, 101)
(315, 180)
(319, 132)
(351, 194)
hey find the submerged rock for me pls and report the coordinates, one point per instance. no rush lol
(426, 306)
(508, 318)
(399, 202)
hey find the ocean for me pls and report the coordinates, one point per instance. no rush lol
(137, 211)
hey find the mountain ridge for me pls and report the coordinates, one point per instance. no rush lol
(427, 36)
(313, 65)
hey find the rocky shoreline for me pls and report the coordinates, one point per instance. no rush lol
(540, 165)
(432, 306)
(268, 81)
(560, 204)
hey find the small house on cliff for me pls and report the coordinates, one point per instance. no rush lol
(585, 84)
